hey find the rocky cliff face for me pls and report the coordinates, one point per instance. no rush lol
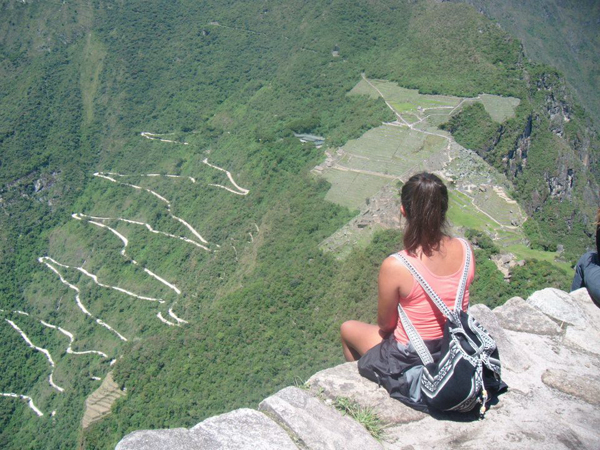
(550, 350)
(570, 174)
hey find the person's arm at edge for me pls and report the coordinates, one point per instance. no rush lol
(387, 306)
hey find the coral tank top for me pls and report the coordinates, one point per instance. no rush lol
(421, 311)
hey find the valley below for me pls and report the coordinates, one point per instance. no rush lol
(194, 196)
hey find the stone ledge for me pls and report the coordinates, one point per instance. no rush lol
(345, 381)
(314, 424)
(244, 429)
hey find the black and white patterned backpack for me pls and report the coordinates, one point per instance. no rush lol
(468, 370)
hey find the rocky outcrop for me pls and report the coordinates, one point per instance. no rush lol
(550, 350)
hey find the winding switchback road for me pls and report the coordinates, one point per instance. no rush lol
(24, 397)
(44, 260)
(124, 253)
(41, 350)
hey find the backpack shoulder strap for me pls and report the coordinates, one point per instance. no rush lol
(414, 337)
(428, 289)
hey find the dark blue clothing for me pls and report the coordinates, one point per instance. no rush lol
(587, 275)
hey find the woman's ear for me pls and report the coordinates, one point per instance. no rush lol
(402, 211)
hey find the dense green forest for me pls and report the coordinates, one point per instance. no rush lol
(229, 83)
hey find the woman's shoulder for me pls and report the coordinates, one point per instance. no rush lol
(393, 266)
(393, 261)
(394, 273)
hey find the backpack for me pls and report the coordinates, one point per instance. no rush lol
(468, 369)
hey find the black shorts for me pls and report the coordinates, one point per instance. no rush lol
(397, 368)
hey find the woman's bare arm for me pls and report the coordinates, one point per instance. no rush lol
(387, 309)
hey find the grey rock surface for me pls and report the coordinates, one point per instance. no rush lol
(239, 429)
(518, 315)
(585, 388)
(586, 335)
(511, 356)
(585, 338)
(314, 424)
(345, 381)
(557, 305)
(177, 438)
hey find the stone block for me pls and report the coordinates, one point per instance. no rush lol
(518, 315)
(558, 305)
(587, 305)
(345, 381)
(173, 439)
(585, 338)
(314, 424)
(240, 429)
(586, 388)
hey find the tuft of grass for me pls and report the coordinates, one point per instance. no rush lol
(301, 384)
(363, 415)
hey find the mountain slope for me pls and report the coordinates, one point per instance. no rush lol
(560, 34)
(157, 155)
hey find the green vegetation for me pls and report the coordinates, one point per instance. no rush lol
(489, 286)
(461, 213)
(365, 416)
(80, 82)
(350, 189)
(500, 109)
(473, 128)
(528, 148)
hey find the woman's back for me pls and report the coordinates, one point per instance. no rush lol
(442, 270)
(447, 260)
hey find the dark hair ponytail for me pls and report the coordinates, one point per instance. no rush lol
(425, 201)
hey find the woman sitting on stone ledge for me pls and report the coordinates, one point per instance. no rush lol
(386, 351)
(587, 270)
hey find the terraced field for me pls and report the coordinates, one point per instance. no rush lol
(413, 142)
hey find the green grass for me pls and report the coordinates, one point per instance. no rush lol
(92, 61)
(351, 189)
(363, 88)
(403, 107)
(408, 100)
(500, 108)
(380, 143)
(497, 207)
(523, 252)
(462, 214)
(363, 415)
(393, 93)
